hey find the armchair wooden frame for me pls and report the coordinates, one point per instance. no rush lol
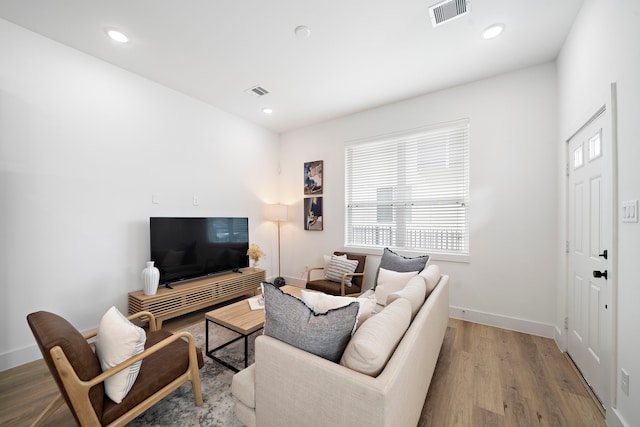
(343, 287)
(78, 390)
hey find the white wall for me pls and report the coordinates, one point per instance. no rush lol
(603, 48)
(511, 275)
(83, 146)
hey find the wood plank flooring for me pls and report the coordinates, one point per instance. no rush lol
(485, 377)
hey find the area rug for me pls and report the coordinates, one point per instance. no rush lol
(179, 409)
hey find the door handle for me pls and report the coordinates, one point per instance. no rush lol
(598, 274)
(604, 254)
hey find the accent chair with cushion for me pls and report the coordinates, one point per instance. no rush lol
(342, 276)
(165, 363)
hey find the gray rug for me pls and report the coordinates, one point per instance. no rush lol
(179, 409)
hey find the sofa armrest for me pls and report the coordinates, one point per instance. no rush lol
(304, 389)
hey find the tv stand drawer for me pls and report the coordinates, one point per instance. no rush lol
(196, 294)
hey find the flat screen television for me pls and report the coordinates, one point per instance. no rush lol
(187, 248)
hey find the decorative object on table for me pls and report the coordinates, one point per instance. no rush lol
(256, 303)
(313, 219)
(255, 253)
(278, 213)
(150, 279)
(313, 178)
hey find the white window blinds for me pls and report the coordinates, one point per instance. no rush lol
(410, 190)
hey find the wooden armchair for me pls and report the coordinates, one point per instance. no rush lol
(168, 361)
(340, 288)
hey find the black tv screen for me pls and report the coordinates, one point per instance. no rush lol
(186, 248)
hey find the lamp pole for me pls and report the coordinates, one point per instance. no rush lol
(278, 213)
(278, 248)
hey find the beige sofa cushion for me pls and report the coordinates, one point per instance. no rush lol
(320, 302)
(415, 292)
(391, 281)
(431, 276)
(375, 341)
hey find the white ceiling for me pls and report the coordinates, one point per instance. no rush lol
(361, 53)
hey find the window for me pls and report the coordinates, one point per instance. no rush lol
(410, 190)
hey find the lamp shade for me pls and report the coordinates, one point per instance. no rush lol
(276, 213)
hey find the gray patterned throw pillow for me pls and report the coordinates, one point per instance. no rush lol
(288, 319)
(394, 262)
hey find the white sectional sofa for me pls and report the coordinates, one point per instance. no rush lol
(287, 386)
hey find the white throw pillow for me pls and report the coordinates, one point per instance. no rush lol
(431, 276)
(321, 303)
(390, 282)
(374, 342)
(415, 292)
(117, 340)
(327, 259)
(339, 266)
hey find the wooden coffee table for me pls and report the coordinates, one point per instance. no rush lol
(239, 318)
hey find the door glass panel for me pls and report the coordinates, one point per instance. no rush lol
(595, 146)
(578, 157)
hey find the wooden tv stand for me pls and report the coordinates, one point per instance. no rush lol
(194, 295)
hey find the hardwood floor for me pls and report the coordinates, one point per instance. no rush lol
(485, 377)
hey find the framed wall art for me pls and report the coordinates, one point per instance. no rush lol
(313, 178)
(313, 219)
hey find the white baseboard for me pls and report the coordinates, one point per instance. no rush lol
(614, 419)
(19, 357)
(293, 281)
(504, 322)
(560, 339)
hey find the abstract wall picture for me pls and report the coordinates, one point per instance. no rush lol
(313, 178)
(313, 213)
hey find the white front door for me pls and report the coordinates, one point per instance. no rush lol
(590, 230)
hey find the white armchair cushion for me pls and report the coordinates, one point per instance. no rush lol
(116, 341)
(327, 259)
(338, 266)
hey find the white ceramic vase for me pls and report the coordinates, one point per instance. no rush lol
(150, 279)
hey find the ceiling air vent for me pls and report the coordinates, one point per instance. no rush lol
(447, 10)
(257, 91)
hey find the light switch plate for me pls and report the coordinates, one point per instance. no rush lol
(630, 211)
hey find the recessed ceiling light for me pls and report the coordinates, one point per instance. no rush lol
(493, 31)
(117, 36)
(267, 110)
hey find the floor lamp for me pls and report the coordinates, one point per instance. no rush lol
(277, 213)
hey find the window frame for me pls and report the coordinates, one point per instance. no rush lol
(400, 145)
